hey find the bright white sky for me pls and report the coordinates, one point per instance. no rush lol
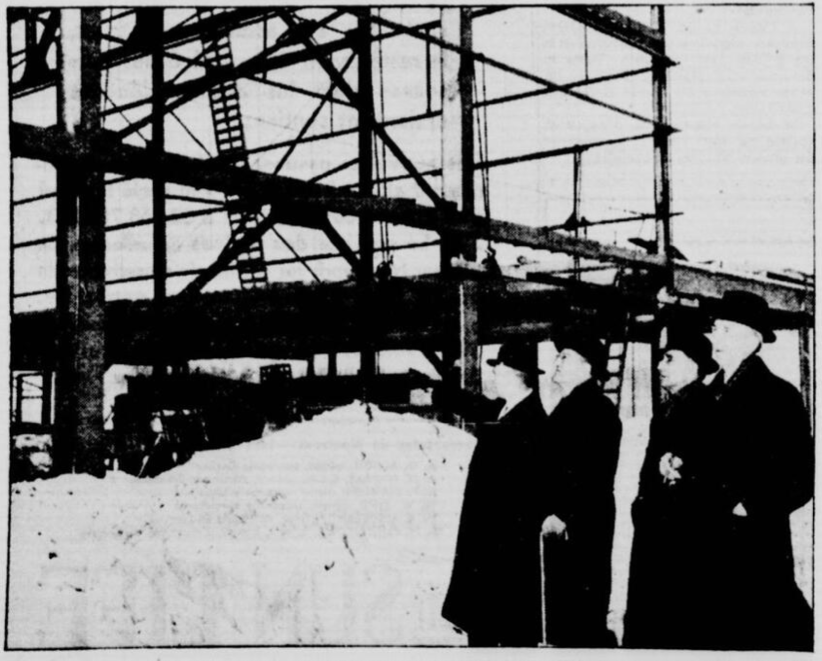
(743, 164)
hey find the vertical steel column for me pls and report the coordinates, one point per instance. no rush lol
(19, 385)
(154, 21)
(577, 215)
(806, 370)
(45, 410)
(365, 277)
(470, 374)
(458, 185)
(457, 127)
(79, 443)
(662, 139)
(31, 37)
(662, 181)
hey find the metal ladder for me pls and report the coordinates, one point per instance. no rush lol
(226, 115)
(615, 369)
(617, 341)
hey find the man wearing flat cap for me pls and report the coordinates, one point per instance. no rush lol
(674, 569)
(494, 592)
(765, 454)
(580, 458)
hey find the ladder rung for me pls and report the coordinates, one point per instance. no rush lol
(228, 114)
(224, 100)
(229, 135)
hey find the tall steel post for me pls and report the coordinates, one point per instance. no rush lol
(19, 396)
(457, 126)
(662, 139)
(154, 21)
(458, 184)
(806, 370)
(79, 443)
(45, 411)
(662, 178)
(365, 276)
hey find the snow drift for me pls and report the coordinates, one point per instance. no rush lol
(340, 530)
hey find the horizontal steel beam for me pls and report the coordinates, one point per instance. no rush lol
(131, 224)
(293, 319)
(520, 158)
(621, 27)
(695, 280)
(282, 261)
(172, 38)
(502, 66)
(433, 114)
(258, 188)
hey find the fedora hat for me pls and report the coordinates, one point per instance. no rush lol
(694, 345)
(519, 355)
(745, 308)
(586, 345)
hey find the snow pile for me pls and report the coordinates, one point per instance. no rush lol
(336, 531)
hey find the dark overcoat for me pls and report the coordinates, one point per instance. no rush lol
(494, 591)
(524, 469)
(580, 456)
(766, 457)
(678, 525)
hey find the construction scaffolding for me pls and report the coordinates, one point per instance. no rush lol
(434, 195)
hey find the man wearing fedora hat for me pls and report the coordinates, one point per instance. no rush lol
(580, 459)
(674, 570)
(765, 459)
(494, 591)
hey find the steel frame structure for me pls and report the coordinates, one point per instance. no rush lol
(79, 144)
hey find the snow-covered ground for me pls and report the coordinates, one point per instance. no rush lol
(340, 530)
(336, 531)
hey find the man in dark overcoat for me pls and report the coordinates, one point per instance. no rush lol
(676, 517)
(494, 592)
(579, 458)
(766, 458)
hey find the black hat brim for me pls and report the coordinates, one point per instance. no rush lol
(593, 352)
(493, 362)
(768, 335)
(744, 308)
(708, 366)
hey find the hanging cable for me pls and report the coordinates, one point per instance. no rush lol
(487, 171)
(482, 136)
(384, 269)
(490, 260)
(331, 112)
(482, 152)
(381, 65)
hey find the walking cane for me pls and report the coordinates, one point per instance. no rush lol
(543, 601)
